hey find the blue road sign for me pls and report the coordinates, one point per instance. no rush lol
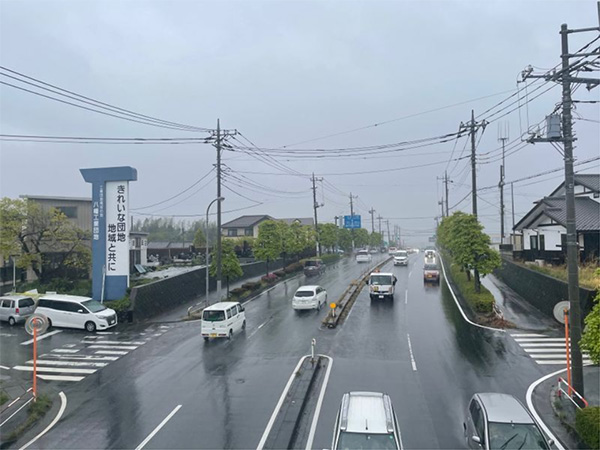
(352, 221)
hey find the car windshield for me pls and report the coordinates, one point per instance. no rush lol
(506, 436)
(363, 253)
(431, 267)
(304, 294)
(381, 279)
(360, 441)
(213, 316)
(311, 263)
(402, 254)
(93, 305)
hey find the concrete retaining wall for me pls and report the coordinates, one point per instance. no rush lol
(541, 290)
(162, 295)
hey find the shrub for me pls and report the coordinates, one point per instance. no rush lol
(482, 303)
(330, 258)
(294, 267)
(591, 334)
(251, 285)
(269, 278)
(280, 273)
(237, 292)
(587, 424)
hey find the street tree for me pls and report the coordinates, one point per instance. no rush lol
(230, 264)
(328, 235)
(463, 237)
(268, 244)
(43, 240)
(199, 238)
(375, 239)
(591, 334)
(361, 237)
(344, 239)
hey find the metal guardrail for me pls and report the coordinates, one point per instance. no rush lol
(570, 393)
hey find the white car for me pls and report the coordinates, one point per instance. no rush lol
(363, 256)
(366, 420)
(401, 258)
(309, 297)
(222, 320)
(391, 250)
(72, 311)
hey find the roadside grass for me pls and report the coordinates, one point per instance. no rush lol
(62, 285)
(35, 412)
(482, 303)
(3, 398)
(587, 273)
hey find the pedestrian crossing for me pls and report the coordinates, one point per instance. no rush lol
(74, 361)
(545, 350)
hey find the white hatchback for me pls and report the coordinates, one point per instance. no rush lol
(309, 297)
(222, 320)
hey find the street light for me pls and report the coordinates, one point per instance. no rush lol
(218, 199)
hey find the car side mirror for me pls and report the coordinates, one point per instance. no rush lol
(476, 439)
(550, 441)
(80, 311)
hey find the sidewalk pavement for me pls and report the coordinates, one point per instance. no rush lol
(558, 413)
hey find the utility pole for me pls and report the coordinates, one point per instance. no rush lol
(387, 222)
(564, 77)
(446, 185)
(503, 137)
(372, 211)
(379, 219)
(316, 205)
(512, 201)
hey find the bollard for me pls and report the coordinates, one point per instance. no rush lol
(313, 343)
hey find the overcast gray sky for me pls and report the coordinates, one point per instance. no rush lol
(285, 72)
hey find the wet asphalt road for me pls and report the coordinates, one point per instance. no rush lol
(228, 389)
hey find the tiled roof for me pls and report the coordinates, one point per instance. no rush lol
(303, 220)
(246, 221)
(587, 212)
(589, 180)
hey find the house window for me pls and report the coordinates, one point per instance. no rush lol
(232, 232)
(248, 232)
(542, 242)
(563, 242)
(533, 242)
(69, 211)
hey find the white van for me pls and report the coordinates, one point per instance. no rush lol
(382, 285)
(72, 311)
(222, 320)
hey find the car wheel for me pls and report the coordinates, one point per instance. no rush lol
(244, 325)
(230, 335)
(205, 338)
(49, 324)
(90, 327)
(11, 321)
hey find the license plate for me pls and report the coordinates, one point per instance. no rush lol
(213, 334)
(381, 296)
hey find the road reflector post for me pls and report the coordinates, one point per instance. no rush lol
(332, 306)
(36, 325)
(313, 344)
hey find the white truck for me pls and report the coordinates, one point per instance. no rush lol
(382, 285)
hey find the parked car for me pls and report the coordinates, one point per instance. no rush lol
(431, 271)
(16, 308)
(309, 297)
(73, 311)
(382, 285)
(366, 420)
(313, 267)
(363, 256)
(222, 320)
(401, 258)
(500, 421)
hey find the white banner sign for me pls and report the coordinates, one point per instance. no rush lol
(117, 228)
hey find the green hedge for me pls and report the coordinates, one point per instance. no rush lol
(482, 303)
(329, 258)
(587, 424)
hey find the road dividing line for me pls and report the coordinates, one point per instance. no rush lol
(4, 367)
(13, 414)
(459, 307)
(54, 369)
(313, 425)
(116, 347)
(534, 412)
(157, 429)
(406, 297)
(65, 350)
(265, 435)
(43, 336)
(412, 357)
(260, 326)
(63, 406)
(110, 352)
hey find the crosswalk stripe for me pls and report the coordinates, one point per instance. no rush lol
(68, 363)
(116, 347)
(540, 340)
(526, 335)
(65, 350)
(43, 336)
(107, 332)
(60, 378)
(81, 357)
(551, 355)
(110, 352)
(560, 361)
(54, 369)
(550, 344)
(120, 343)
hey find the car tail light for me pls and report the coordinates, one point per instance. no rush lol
(17, 311)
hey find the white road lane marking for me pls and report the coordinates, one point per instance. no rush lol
(265, 435)
(539, 344)
(526, 335)
(313, 425)
(80, 357)
(529, 394)
(4, 367)
(118, 343)
(107, 332)
(54, 370)
(43, 336)
(65, 350)
(110, 352)
(157, 429)
(60, 378)
(541, 339)
(70, 345)
(13, 414)
(260, 326)
(116, 347)
(412, 358)
(63, 406)
(406, 297)
(61, 363)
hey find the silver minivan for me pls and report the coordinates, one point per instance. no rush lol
(16, 308)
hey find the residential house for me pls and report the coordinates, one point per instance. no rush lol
(542, 231)
(244, 226)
